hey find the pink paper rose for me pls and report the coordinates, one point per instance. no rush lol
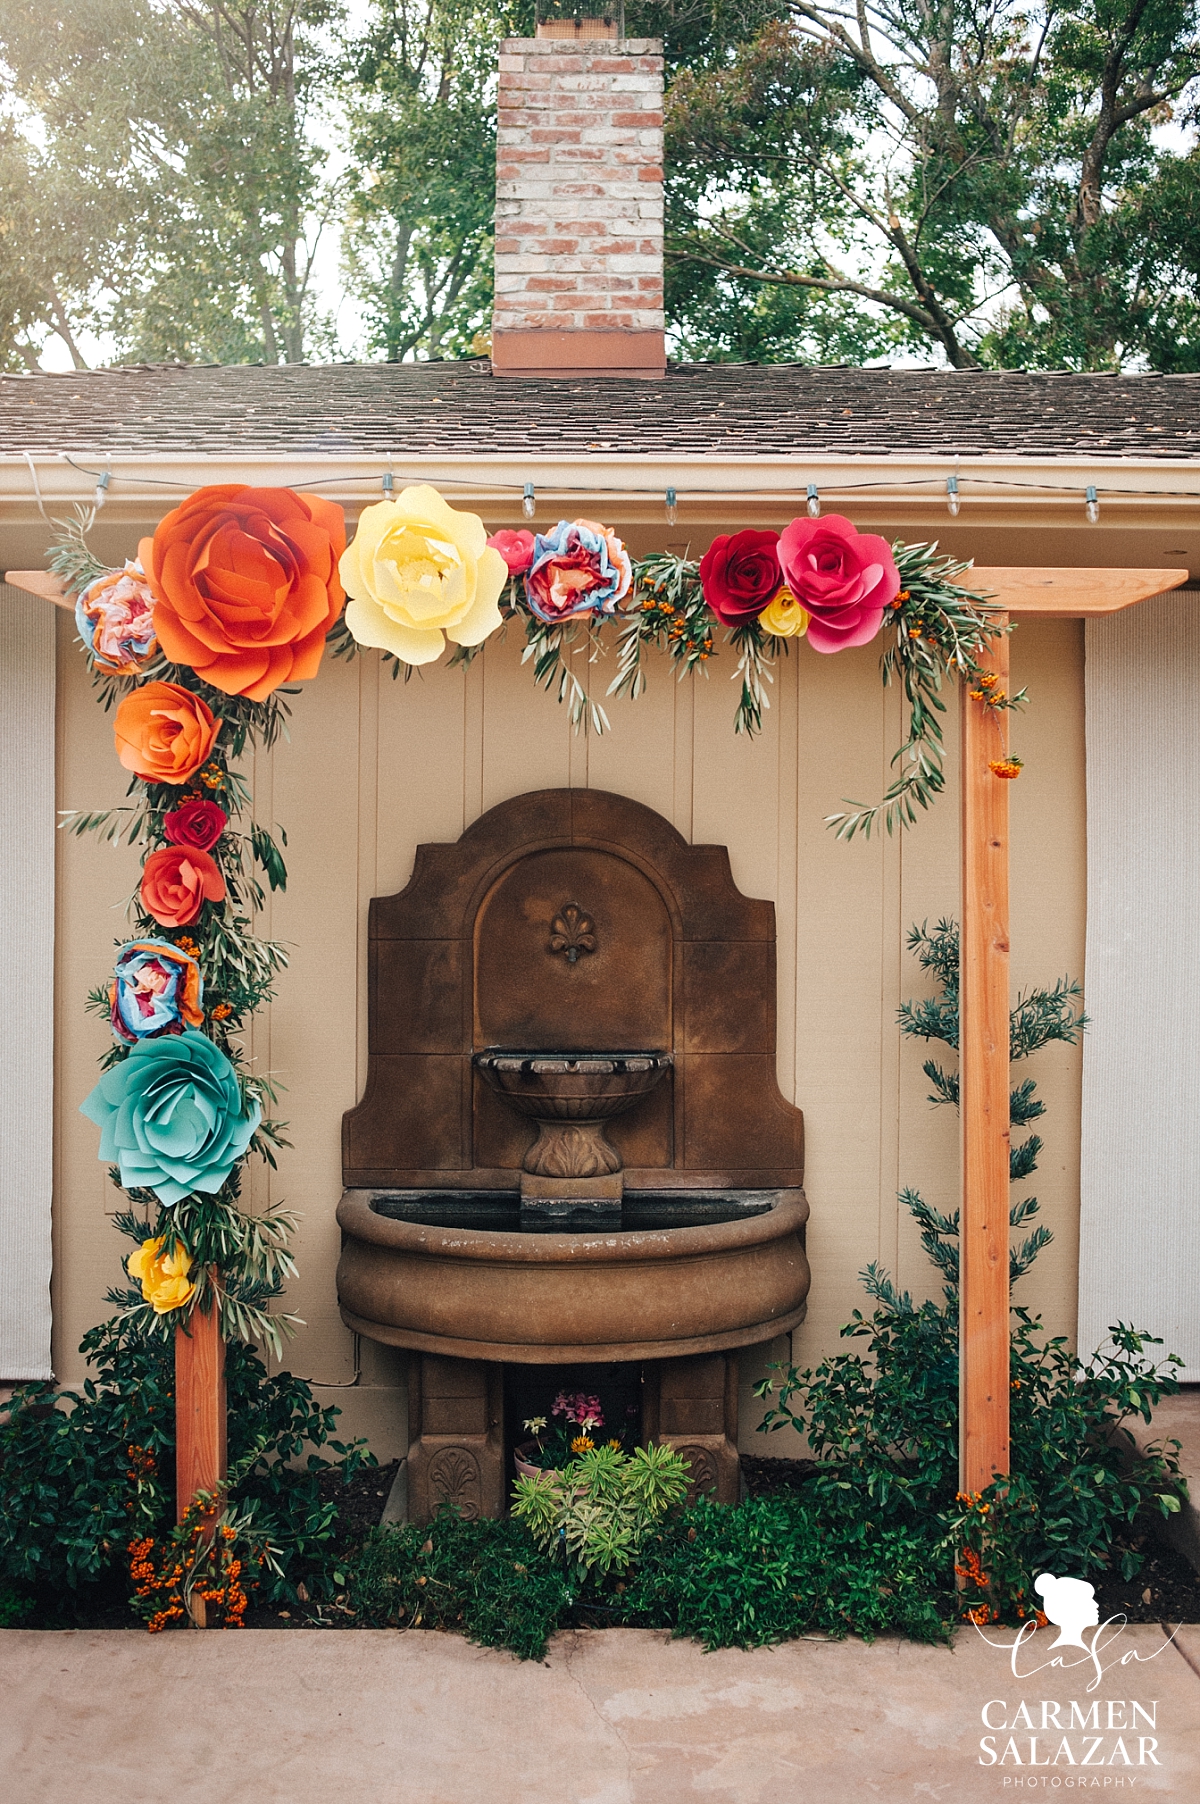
(843, 578)
(516, 548)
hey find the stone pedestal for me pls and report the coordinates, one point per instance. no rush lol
(456, 1416)
(692, 1406)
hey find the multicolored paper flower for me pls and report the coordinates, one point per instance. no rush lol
(115, 618)
(579, 567)
(164, 1278)
(171, 1117)
(157, 989)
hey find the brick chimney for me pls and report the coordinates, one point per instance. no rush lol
(579, 207)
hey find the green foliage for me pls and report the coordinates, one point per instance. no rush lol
(597, 1511)
(780, 1566)
(882, 1422)
(486, 1579)
(81, 1472)
(981, 184)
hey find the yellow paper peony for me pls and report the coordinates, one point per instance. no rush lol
(784, 617)
(164, 1281)
(418, 569)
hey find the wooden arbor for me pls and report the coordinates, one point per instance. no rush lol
(984, 1004)
(984, 1413)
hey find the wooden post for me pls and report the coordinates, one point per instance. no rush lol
(983, 1100)
(200, 1457)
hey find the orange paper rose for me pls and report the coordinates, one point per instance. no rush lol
(164, 733)
(176, 883)
(246, 585)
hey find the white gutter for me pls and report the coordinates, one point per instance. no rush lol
(1001, 490)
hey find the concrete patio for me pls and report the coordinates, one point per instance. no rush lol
(615, 1717)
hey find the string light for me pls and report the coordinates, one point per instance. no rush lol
(672, 507)
(101, 494)
(1093, 504)
(952, 501)
(814, 501)
(529, 502)
(389, 483)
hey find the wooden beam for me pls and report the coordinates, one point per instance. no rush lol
(1068, 594)
(43, 583)
(983, 1098)
(200, 1450)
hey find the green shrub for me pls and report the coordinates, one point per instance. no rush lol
(785, 1565)
(486, 1579)
(596, 1512)
(82, 1471)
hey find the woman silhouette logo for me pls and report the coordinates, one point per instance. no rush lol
(1070, 1604)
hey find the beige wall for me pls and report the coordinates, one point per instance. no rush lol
(375, 766)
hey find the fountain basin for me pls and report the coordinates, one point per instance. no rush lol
(570, 1095)
(734, 1275)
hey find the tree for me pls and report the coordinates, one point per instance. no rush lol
(974, 179)
(418, 241)
(160, 173)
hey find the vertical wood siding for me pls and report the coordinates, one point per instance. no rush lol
(26, 982)
(1140, 1217)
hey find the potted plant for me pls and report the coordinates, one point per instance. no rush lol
(575, 1424)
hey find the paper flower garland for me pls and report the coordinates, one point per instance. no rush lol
(157, 989)
(246, 585)
(171, 1118)
(418, 573)
(115, 618)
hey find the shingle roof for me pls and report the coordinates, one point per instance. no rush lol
(696, 409)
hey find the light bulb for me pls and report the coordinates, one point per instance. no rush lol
(1093, 505)
(389, 483)
(952, 502)
(672, 507)
(529, 502)
(814, 501)
(101, 494)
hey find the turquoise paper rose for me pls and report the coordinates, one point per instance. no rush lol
(170, 1116)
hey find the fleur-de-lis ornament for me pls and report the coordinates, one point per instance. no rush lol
(572, 932)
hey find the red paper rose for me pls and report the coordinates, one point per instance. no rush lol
(197, 824)
(740, 573)
(516, 548)
(843, 577)
(177, 882)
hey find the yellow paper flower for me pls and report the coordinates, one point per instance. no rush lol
(164, 1281)
(418, 569)
(784, 617)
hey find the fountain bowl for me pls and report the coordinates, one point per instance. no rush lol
(569, 1095)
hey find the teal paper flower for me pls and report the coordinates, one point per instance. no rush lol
(170, 1116)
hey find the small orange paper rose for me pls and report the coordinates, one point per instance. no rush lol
(164, 733)
(246, 585)
(176, 883)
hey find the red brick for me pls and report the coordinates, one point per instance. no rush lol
(653, 174)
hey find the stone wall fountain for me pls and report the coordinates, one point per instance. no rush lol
(572, 1148)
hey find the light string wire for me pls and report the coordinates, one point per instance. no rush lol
(793, 492)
